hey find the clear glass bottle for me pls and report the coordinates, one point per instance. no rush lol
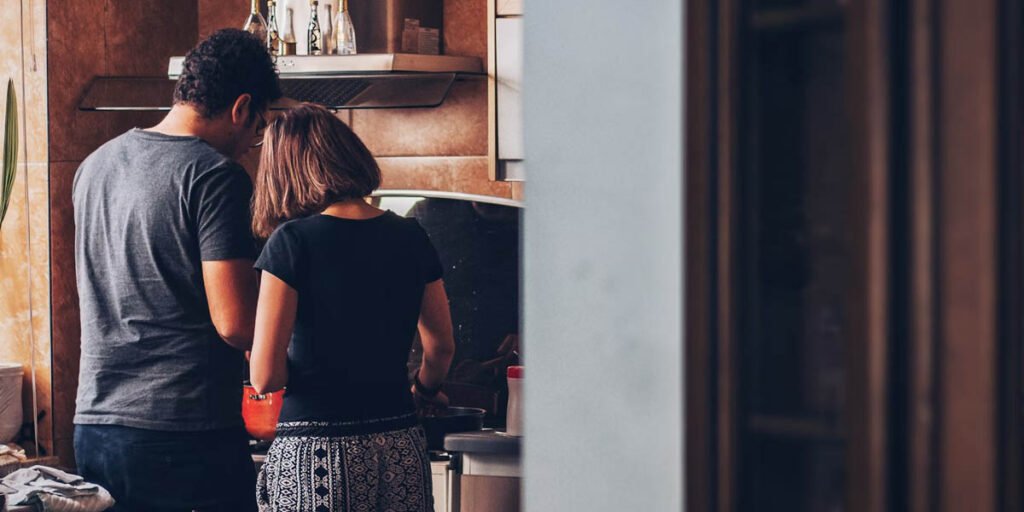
(329, 41)
(287, 44)
(273, 34)
(345, 32)
(255, 24)
(314, 37)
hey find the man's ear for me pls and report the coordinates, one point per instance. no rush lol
(240, 112)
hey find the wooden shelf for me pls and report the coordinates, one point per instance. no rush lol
(798, 18)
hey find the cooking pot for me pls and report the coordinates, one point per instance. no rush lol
(440, 423)
(260, 412)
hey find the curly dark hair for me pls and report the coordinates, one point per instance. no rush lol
(224, 66)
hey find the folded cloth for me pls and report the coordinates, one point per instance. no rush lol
(54, 491)
(13, 451)
(11, 458)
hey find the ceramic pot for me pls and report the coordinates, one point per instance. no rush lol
(260, 412)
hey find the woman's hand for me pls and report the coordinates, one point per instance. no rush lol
(428, 405)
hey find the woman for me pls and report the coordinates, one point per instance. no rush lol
(343, 287)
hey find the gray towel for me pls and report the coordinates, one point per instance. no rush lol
(53, 490)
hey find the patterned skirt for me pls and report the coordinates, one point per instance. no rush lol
(317, 466)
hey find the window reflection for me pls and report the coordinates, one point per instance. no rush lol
(478, 243)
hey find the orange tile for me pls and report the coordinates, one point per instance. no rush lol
(465, 28)
(142, 34)
(73, 61)
(66, 330)
(457, 128)
(452, 174)
(217, 14)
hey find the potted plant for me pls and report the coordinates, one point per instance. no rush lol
(10, 374)
(10, 158)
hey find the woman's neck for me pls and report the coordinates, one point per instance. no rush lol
(357, 209)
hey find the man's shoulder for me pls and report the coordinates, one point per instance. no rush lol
(108, 148)
(186, 150)
(101, 157)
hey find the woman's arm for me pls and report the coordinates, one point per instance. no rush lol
(435, 328)
(275, 317)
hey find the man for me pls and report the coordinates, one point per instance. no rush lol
(167, 291)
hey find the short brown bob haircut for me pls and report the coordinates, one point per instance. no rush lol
(310, 160)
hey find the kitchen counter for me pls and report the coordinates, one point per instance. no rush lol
(491, 442)
(488, 469)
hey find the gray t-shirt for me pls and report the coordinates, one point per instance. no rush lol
(149, 208)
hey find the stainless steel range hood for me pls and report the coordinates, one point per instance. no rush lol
(389, 80)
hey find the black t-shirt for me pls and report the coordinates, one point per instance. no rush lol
(360, 286)
(149, 209)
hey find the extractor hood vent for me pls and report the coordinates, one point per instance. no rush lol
(392, 80)
(369, 63)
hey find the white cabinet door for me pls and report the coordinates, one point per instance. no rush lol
(509, 75)
(439, 482)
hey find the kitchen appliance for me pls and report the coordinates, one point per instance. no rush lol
(487, 469)
(362, 81)
(367, 80)
(260, 412)
(443, 468)
(449, 421)
(442, 482)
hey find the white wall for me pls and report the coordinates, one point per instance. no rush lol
(603, 93)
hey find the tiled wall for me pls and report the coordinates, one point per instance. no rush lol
(443, 148)
(440, 149)
(24, 258)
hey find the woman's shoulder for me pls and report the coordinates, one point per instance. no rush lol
(290, 227)
(290, 232)
(316, 224)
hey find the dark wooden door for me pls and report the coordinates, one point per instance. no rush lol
(850, 242)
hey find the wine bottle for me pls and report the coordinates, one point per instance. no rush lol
(273, 35)
(345, 32)
(329, 41)
(314, 38)
(255, 24)
(287, 45)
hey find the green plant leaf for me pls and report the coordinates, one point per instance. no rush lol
(10, 163)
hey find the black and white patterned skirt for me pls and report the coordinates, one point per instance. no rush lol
(337, 467)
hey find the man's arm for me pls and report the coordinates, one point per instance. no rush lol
(231, 291)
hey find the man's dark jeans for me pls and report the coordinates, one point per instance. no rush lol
(158, 471)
